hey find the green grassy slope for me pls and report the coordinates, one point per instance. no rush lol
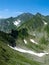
(11, 57)
(37, 27)
(26, 31)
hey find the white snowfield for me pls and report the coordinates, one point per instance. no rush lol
(33, 41)
(28, 51)
(17, 22)
(45, 23)
(25, 41)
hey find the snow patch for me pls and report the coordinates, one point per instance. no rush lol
(17, 22)
(28, 51)
(33, 41)
(25, 41)
(45, 23)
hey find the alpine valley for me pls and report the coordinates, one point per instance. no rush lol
(24, 40)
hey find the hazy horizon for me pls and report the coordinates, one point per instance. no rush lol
(14, 8)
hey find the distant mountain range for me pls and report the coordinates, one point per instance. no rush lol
(35, 21)
(24, 40)
(7, 24)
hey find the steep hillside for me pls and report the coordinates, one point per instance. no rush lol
(24, 40)
(12, 57)
(37, 38)
(7, 24)
(24, 17)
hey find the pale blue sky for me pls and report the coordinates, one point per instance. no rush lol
(15, 7)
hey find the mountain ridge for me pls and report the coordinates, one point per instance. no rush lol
(30, 36)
